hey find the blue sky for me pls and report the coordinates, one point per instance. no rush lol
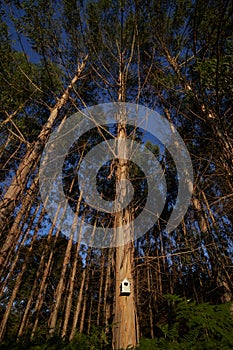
(19, 41)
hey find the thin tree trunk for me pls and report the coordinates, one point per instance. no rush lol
(71, 286)
(81, 326)
(59, 291)
(30, 299)
(19, 280)
(42, 292)
(43, 284)
(137, 297)
(100, 288)
(14, 233)
(223, 278)
(78, 306)
(149, 294)
(32, 156)
(13, 263)
(90, 308)
(108, 282)
(35, 284)
(89, 318)
(61, 284)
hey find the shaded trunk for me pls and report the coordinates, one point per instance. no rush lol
(100, 289)
(25, 318)
(81, 326)
(18, 280)
(150, 301)
(78, 306)
(107, 291)
(71, 286)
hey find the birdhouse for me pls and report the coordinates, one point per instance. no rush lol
(125, 287)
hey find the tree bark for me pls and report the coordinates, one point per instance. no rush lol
(125, 325)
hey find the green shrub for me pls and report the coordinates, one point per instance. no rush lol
(194, 327)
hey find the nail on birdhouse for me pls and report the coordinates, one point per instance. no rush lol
(125, 287)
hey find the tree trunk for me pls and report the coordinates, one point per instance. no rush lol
(100, 288)
(30, 299)
(12, 263)
(71, 287)
(108, 282)
(150, 296)
(32, 156)
(43, 284)
(125, 325)
(61, 284)
(81, 326)
(78, 306)
(18, 281)
(14, 233)
(90, 308)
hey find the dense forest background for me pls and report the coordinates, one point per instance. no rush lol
(58, 57)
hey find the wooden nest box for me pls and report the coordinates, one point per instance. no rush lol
(125, 287)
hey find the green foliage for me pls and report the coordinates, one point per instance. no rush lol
(97, 340)
(194, 326)
(215, 74)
